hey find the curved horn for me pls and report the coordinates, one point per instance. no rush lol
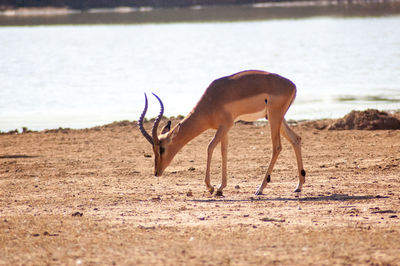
(158, 119)
(140, 123)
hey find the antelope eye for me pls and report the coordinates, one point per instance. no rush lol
(162, 150)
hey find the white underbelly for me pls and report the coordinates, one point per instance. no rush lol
(252, 116)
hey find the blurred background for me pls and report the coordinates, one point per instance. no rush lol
(78, 64)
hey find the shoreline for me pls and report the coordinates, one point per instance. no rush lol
(321, 124)
(58, 9)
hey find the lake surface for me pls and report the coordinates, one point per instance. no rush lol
(86, 75)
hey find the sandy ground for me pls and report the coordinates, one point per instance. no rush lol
(85, 197)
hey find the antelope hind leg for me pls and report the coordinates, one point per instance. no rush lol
(295, 140)
(275, 124)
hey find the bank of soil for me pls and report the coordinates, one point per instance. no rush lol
(90, 197)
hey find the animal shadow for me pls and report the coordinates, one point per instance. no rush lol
(333, 197)
(17, 156)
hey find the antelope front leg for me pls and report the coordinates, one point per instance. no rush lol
(210, 188)
(224, 155)
(220, 135)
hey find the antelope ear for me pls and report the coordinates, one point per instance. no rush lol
(166, 128)
(175, 131)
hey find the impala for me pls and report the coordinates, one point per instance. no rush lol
(247, 95)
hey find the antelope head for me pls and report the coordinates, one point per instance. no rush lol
(163, 152)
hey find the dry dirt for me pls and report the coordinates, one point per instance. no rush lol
(85, 197)
(370, 119)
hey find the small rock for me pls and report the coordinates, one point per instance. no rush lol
(147, 227)
(77, 214)
(384, 211)
(266, 219)
(189, 194)
(158, 198)
(48, 234)
(237, 187)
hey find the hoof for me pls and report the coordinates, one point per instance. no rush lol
(258, 192)
(211, 190)
(218, 194)
(297, 190)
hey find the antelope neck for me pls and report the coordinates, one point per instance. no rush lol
(190, 127)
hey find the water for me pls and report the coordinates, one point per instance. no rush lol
(85, 75)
